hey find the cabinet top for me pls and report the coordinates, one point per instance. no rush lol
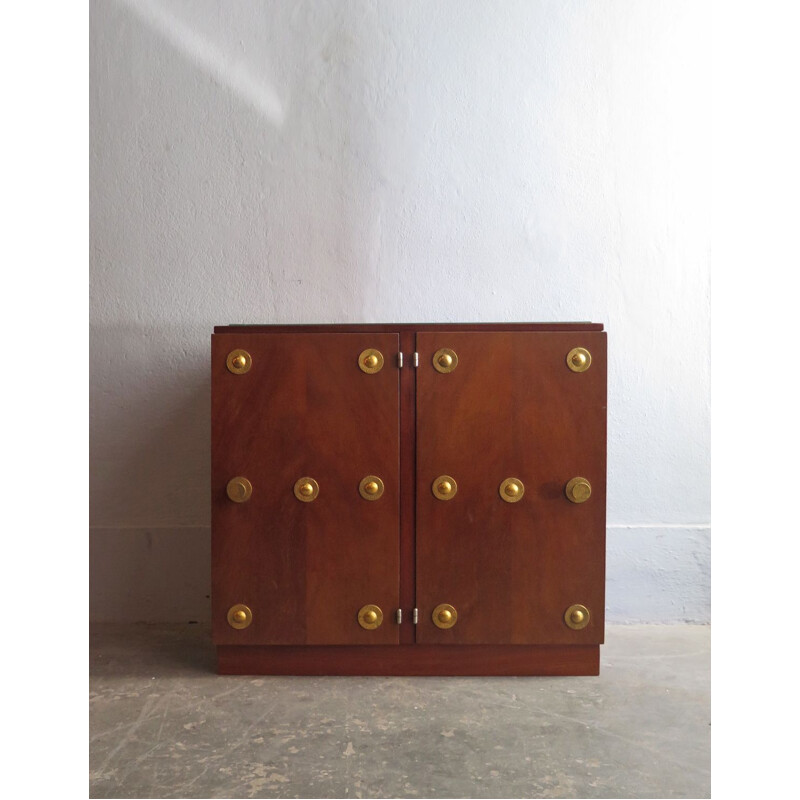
(411, 326)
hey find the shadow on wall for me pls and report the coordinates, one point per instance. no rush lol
(150, 467)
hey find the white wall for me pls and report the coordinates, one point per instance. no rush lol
(382, 161)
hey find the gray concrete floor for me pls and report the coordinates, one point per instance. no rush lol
(162, 724)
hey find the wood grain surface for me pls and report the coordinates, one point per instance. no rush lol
(305, 409)
(511, 408)
(418, 659)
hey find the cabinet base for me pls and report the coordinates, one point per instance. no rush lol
(409, 660)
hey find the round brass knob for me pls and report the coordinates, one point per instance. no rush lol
(577, 617)
(239, 489)
(579, 359)
(370, 361)
(239, 616)
(306, 489)
(371, 487)
(370, 617)
(578, 490)
(445, 487)
(239, 361)
(511, 490)
(445, 360)
(444, 616)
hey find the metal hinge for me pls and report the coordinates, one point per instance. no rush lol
(415, 616)
(416, 359)
(399, 616)
(400, 360)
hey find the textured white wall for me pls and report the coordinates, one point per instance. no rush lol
(380, 161)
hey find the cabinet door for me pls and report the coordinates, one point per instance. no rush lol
(511, 408)
(305, 409)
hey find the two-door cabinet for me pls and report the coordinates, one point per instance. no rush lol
(409, 499)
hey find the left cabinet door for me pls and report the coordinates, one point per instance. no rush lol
(310, 538)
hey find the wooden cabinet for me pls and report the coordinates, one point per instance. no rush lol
(409, 499)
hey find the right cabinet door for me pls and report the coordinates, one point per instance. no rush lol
(511, 487)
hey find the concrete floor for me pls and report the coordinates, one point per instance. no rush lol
(164, 725)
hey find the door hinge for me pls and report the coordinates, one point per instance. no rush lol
(416, 359)
(400, 360)
(415, 616)
(399, 616)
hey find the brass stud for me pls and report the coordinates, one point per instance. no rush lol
(511, 490)
(370, 617)
(370, 361)
(239, 489)
(579, 359)
(444, 487)
(239, 362)
(306, 489)
(445, 360)
(578, 490)
(577, 617)
(371, 487)
(444, 616)
(239, 616)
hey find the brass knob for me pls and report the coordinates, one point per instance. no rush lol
(444, 616)
(445, 487)
(239, 616)
(239, 361)
(306, 489)
(371, 487)
(579, 359)
(239, 489)
(445, 360)
(370, 361)
(511, 490)
(370, 617)
(578, 490)
(577, 617)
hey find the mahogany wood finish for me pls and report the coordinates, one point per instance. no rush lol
(419, 659)
(511, 408)
(305, 409)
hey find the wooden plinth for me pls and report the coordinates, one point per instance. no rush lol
(409, 660)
